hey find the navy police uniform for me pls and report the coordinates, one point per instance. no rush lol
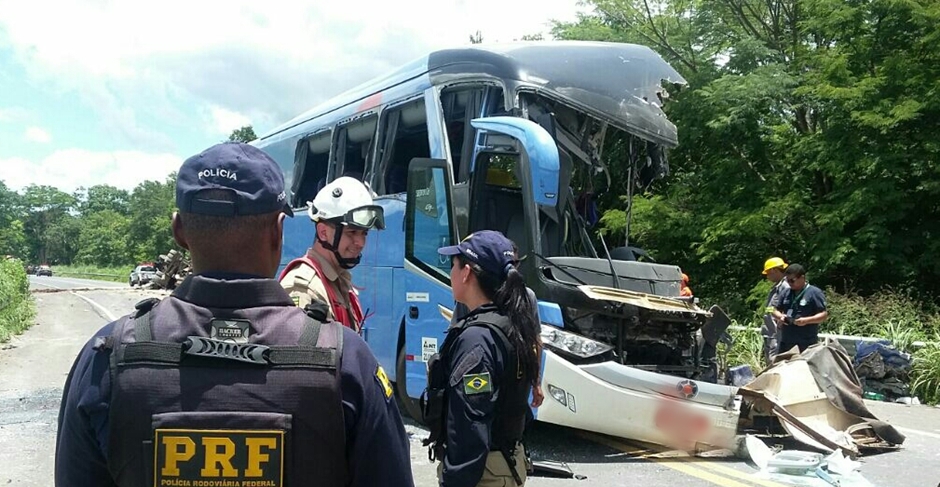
(808, 301)
(483, 400)
(373, 449)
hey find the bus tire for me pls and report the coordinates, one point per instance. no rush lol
(412, 407)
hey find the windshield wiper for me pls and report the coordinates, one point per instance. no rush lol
(610, 262)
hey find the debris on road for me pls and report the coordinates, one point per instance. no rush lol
(804, 468)
(884, 371)
(817, 398)
(172, 268)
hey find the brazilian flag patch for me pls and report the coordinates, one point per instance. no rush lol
(477, 383)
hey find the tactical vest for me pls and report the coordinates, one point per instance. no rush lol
(351, 318)
(511, 404)
(221, 409)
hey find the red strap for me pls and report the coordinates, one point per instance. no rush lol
(339, 311)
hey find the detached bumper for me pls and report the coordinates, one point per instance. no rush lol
(622, 401)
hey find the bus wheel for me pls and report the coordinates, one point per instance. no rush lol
(412, 407)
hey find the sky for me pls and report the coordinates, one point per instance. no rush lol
(110, 92)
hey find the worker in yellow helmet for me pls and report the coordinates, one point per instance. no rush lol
(774, 269)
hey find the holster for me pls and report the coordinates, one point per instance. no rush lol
(432, 407)
(510, 455)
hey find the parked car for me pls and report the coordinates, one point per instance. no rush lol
(44, 270)
(141, 275)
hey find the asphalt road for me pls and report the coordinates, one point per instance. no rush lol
(34, 365)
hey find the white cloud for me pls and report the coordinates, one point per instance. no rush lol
(224, 121)
(12, 114)
(71, 168)
(38, 135)
(153, 71)
(267, 61)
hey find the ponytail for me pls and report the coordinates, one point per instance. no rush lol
(512, 299)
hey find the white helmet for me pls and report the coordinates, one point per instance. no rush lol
(347, 201)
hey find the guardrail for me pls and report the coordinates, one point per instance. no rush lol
(842, 338)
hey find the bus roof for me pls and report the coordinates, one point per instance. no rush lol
(618, 83)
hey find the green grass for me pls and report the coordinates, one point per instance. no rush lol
(113, 274)
(925, 378)
(745, 348)
(16, 304)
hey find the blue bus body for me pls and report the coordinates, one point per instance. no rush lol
(489, 137)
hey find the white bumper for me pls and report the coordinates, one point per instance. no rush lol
(640, 405)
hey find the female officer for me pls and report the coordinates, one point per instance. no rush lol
(479, 383)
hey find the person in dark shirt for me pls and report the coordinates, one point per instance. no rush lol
(485, 369)
(800, 311)
(224, 419)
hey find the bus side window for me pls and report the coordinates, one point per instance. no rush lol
(461, 105)
(404, 136)
(310, 167)
(353, 147)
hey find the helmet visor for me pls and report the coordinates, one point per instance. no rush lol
(372, 216)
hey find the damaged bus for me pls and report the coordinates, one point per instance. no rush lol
(492, 137)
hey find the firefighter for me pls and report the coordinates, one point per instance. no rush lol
(478, 385)
(684, 290)
(774, 268)
(226, 381)
(343, 213)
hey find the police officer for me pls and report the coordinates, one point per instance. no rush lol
(800, 311)
(226, 380)
(343, 213)
(478, 385)
(774, 268)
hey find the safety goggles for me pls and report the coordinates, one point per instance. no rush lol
(372, 216)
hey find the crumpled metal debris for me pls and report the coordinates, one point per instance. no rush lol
(817, 398)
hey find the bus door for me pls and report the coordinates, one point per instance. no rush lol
(514, 175)
(428, 226)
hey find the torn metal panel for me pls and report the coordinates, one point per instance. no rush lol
(643, 300)
(627, 92)
(817, 400)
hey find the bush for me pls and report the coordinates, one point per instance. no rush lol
(16, 304)
(925, 376)
(884, 314)
(746, 348)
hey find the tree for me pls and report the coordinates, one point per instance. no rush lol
(807, 130)
(476, 38)
(102, 197)
(12, 233)
(103, 239)
(245, 134)
(46, 208)
(148, 231)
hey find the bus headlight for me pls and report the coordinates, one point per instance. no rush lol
(570, 343)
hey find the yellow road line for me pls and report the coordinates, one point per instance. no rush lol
(683, 463)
